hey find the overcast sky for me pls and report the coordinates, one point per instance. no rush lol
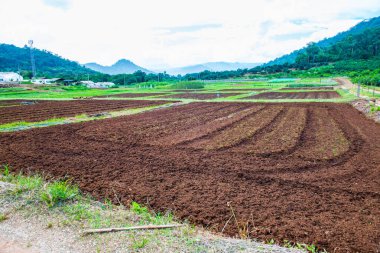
(168, 33)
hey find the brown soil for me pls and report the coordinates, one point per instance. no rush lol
(7, 103)
(308, 88)
(133, 95)
(43, 110)
(296, 95)
(316, 180)
(201, 96)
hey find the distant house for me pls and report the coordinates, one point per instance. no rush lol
(100, 85)
(47, 81)
(52, 80)
(88, 83)
(10, 77)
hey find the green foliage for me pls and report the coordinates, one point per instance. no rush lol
(139, 244)
(5, 171)
(354, 31)
(48, 64)
(375, 108)
(57, 192)
(27, 183)
(138, 209)
(188, 85)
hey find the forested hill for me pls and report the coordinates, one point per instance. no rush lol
(14, 58)
(358, 29)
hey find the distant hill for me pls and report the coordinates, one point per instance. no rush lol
(211, 66)
(122, 66)
(15, 59)
(357, 29)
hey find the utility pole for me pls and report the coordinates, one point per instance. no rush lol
(30, 42)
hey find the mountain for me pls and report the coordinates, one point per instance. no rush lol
(357, 29)
(211, 66)
(122, 66)
(15, 59)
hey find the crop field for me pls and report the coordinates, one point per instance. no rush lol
(42, 110)
(201, 96)
(296, 95)
(304, 172)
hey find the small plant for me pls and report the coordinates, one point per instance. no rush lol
(138, 209)
(3, 217)
(5, 170)
(375, 108)
(311, 248)
(139, 244)
(58, 192)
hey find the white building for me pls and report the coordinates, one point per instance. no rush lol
(10, 77)
(46, 81)
(100, 85)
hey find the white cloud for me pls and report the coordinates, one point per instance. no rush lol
(175, 33)
(63, 4)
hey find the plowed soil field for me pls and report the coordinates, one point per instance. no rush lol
(43, 110)
(306, 172)
(202, 96)
(8, 103)
(296, 95)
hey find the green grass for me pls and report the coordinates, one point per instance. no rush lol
(58, 192)
(58, 92)
(139, 244)
(375, 108)
(369, 94)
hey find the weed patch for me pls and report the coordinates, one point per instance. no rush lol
(58, 192)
